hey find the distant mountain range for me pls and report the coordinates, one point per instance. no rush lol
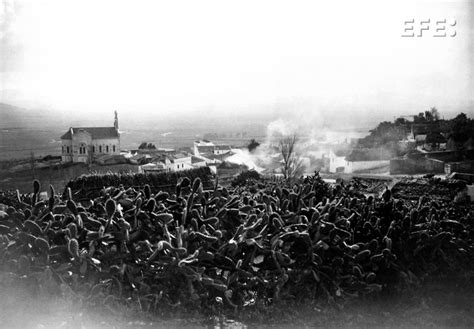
(18, 117)
(12, 117)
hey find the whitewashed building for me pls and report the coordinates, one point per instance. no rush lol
(82, 144)
(337, 162)
(205, 147)
(177, 162)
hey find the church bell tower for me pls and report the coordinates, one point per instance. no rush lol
(116, 121)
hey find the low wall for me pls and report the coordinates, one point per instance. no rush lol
(434, 165)
(469, 178)
(359, 166)
(446, 156)
(416, 166)
(462, 167)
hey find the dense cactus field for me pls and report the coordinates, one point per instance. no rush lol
(218, 250)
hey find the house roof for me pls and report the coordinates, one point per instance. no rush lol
(156, 165)
(212, 156)
(195, 159)
(222, 147)
(178, 157)
(95, 132)
(420, 138)
(206, 148)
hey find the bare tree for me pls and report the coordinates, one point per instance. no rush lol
(292, 162)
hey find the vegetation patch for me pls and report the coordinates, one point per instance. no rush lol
(229, 251)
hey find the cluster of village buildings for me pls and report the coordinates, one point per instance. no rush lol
(435, 152)
(102, 145)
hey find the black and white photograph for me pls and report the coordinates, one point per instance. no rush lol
(236, 164)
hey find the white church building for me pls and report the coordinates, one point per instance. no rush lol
(82, 144)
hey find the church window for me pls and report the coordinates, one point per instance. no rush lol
(107, 149)
(100, 148)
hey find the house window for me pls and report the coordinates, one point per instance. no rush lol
(113, 148)
(67, 149)
(100, 148)
(93, 148)
(107, 149)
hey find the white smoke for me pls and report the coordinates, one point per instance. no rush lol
(266, 155)
(244, 157)
(313, 141)
(279, 128)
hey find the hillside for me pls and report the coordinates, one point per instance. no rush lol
(14, 117)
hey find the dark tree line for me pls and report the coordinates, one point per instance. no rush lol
(147, 146)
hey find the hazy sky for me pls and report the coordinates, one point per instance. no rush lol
(277, 56)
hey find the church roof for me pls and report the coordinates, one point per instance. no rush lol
(96, 132)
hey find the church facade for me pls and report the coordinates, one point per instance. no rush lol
(83, 144)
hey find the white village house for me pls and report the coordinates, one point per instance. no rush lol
(345, 162)
(82, 144)
(205, 147)
(178, 162)
(337, 161)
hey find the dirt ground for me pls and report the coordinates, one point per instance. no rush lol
(439, 304)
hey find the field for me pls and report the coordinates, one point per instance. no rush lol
(57, 177)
